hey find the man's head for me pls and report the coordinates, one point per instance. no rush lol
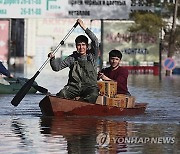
(115, 57)
(81, 44)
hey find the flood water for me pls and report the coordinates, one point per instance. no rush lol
(23, 129)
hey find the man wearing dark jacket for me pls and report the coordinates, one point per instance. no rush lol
(82, 80)
(115, 72)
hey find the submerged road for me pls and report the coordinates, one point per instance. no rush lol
(23, 129)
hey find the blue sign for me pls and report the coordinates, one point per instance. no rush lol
(169, 64)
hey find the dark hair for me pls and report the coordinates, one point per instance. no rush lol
(115, 53)
(81, 38)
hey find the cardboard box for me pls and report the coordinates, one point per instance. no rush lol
(130, 100)
(120, 96)
(100, 100)
(107, 88)
(118, 102)
(122, 101)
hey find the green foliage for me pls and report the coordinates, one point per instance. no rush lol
(147, 22)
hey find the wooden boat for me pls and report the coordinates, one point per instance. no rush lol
(13, 85)
(55, 106)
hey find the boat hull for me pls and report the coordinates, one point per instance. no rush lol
(54, 106)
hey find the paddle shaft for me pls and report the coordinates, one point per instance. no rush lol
(25, 88)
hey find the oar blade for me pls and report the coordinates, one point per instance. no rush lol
(22, 92)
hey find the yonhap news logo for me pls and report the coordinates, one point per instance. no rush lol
(104, 140)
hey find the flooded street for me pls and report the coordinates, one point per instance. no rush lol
(23, 129)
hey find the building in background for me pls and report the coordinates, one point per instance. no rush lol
(36, 27)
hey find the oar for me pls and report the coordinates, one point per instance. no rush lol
(25, 88)
(34, 85)
(40, 89)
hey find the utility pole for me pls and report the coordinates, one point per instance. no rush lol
(102, 45)
(160, 53)
(172, 38)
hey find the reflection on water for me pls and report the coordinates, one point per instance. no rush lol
(19, 129)
(81, 134)
(24, 130)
